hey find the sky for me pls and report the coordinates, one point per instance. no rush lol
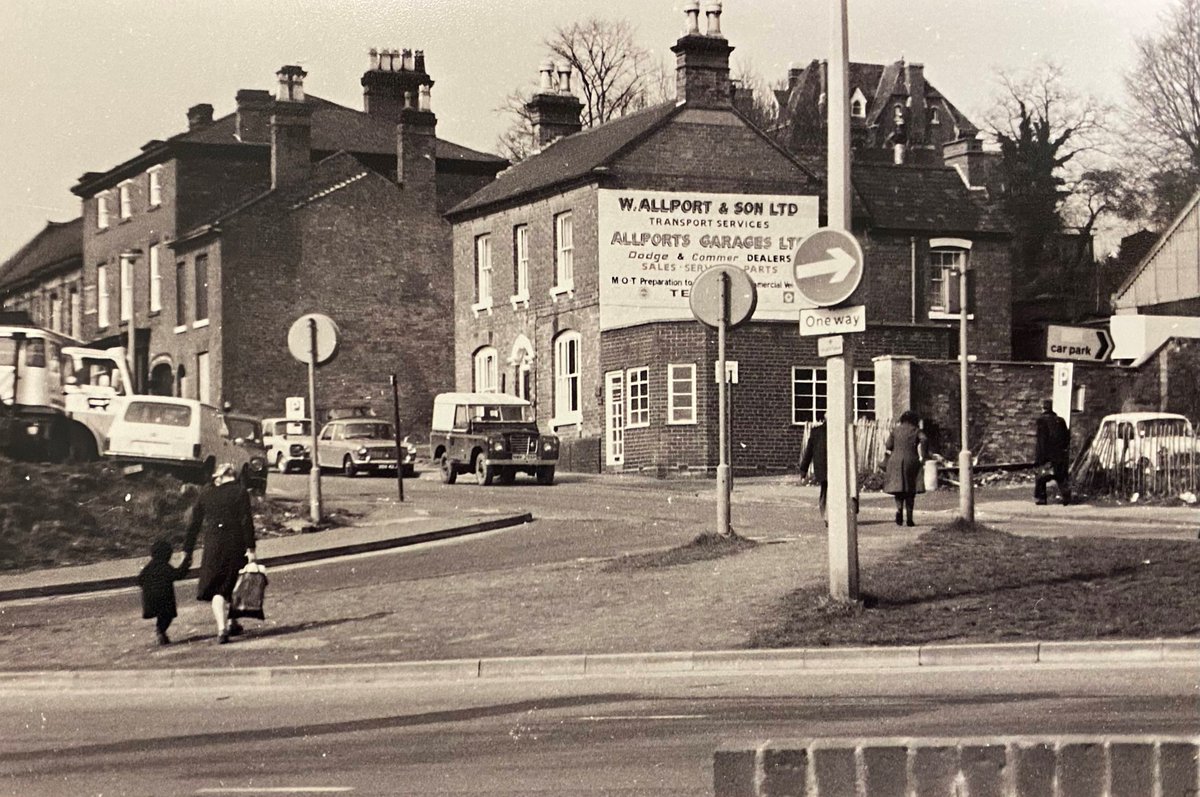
(84, 84)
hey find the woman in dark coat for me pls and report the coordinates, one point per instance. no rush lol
(223, 513)
(905, 449)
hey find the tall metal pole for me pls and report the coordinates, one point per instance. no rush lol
(396, 432)
(843, 529)
(723, 429)
(133, 370)
(314, 474)
(966, 488)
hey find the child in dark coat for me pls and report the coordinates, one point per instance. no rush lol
(157, 581)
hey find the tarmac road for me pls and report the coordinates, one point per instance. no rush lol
(632, 735)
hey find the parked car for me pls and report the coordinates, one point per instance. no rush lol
(289, 443)
(247, 433)
(178, 434)
(493, 435)
(362, 445)
(1146, 441)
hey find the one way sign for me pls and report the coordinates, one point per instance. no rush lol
(1088, 344)
(828, 265)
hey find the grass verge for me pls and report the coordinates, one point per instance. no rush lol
(971, 583)
(704, 547)
(62, 515)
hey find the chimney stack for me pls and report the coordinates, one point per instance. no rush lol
(914, 79)
(416, 142)
(554, 110)
(702, 60)
(291, 129)
(199, 116)
(976, 167)
(392, 76)
(253, 116)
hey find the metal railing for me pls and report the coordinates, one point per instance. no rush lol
(1149, 458)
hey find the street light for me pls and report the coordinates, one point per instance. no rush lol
(130, 256)
(966, 489)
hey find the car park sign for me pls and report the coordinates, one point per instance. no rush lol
(1087, 344)
(828, 266)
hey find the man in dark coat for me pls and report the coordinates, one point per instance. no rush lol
(223, 513)
(1053, 454)
(816, 455)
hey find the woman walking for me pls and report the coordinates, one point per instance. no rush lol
(905, 449)
(223, 513)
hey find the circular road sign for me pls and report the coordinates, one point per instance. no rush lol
(828, 266)
(705, 296)
(300, 338)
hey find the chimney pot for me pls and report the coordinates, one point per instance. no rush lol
(408, 100)
(564, 77)
(425, 99)
(199, 116)
(374, 54)
(713, 13)
(291, 84)
(406, 63)
(898, 154)
(692, 11)
(419, 61)
(546, 70)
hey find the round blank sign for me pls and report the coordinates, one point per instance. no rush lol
(705, 296)
(300, 338)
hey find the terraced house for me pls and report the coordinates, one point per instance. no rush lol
(204, 247)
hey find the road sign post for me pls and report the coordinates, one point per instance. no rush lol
(313, 339)
(723, 297)
(396, 433)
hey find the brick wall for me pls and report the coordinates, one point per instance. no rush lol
(1029, 766)
(1005, 399)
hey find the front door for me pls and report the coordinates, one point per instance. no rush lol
(614, 423)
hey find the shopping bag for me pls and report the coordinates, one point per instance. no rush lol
(249, 591)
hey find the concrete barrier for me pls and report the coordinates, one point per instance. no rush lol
(1010, 766)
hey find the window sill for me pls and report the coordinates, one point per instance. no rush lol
(519, 298)
(575, 419)
(682, 423)
(155, 313)
(125, 220)
(559, 290)
(203, 322)
(480, 307)
(154, 207)
(181, 328)
(939, 315)
(645, 425)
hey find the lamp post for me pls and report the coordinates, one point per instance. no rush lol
(131, 256)
(966, 488)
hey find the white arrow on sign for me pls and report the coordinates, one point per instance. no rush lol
(839, 265)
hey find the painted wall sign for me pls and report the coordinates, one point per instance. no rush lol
(654, 244)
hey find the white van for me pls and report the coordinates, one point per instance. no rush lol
(178, 433)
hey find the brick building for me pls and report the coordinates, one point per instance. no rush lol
(44, 278)
(213, 241)
(572, 272)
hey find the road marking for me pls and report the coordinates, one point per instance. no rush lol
(278, 790)
(627, 717)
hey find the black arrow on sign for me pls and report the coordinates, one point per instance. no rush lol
(1106, 344)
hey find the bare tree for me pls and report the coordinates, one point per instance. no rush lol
(1164, 110)
(612, 74)
(754, 98)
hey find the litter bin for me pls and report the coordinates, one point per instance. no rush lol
(931, 477)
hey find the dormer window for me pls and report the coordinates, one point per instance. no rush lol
(858, 105)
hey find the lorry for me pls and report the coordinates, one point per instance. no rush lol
(55, 394)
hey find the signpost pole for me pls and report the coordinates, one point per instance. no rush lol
(396, 430)
(843, 531)
(314, 473)
(966, 487)
(722, 399)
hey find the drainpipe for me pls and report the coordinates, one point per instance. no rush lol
(912, 281)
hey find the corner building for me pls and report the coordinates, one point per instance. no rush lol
(572, 273)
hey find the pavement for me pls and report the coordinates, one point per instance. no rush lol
(406, 528)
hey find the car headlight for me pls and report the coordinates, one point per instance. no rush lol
(549, 444)
(258, 464)
(498, 445)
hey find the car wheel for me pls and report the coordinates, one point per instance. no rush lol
(483, 473)
(448, 473)
(506, 476)
(348, 467)
(545, 474)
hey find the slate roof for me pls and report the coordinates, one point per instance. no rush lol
(568, 158)
(58, 246)
(923, 198)
(334, 128)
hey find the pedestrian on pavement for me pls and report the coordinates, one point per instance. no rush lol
(157, 581)
(223, 513)
(905, 450)
(1053, 454)
(815, 454)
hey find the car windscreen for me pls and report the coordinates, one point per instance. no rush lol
(160, 414)
(242, 427)
(502, 412)
(1165, 427)
(368, 431)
